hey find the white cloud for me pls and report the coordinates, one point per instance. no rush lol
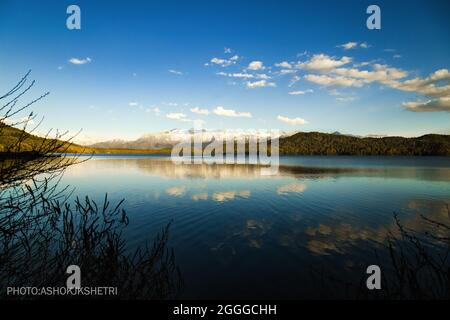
(427, 86)
(200, 111)
(435, 105)
(221, 111)
(364, 45)
(392, 73)
(177, 116)
(227, 50)
(329, 71)
(381, 73)
(328, 81)
(262, 76)
(354, 45)
(255, 65)
(78, 61)
(224, 62)
(349, 45)
(292, 121)
(220, 61)
(178, 73)
(287, 71)
(300, 92)
(435, 87)
(236, 75)
(60, 67)
(133, 104)
(323, 62)
(294, 80)
(284, 64)
(260, 84)
(183, 118)
(354, 77)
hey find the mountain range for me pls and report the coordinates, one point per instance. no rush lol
(169, 138)
(307, 143)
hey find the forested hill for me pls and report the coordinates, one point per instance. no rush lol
(316, 143)
(16, 141)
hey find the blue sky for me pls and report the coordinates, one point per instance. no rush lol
(145, 66)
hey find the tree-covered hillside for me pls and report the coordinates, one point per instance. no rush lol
(316, 143)
(13, 140)
(17, 140)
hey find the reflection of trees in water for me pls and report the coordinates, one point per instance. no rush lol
(164, 167)
(42, 233)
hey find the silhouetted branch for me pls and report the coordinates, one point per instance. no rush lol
(41, 232)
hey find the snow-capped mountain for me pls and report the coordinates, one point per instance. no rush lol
(168, 139)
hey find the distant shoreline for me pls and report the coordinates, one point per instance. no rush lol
(153, 153)
(33, 155)
(300, 144)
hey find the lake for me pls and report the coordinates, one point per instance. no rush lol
(237, 234)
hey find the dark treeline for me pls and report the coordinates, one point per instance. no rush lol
(316, 143)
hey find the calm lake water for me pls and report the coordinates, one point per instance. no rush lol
(237, 234)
